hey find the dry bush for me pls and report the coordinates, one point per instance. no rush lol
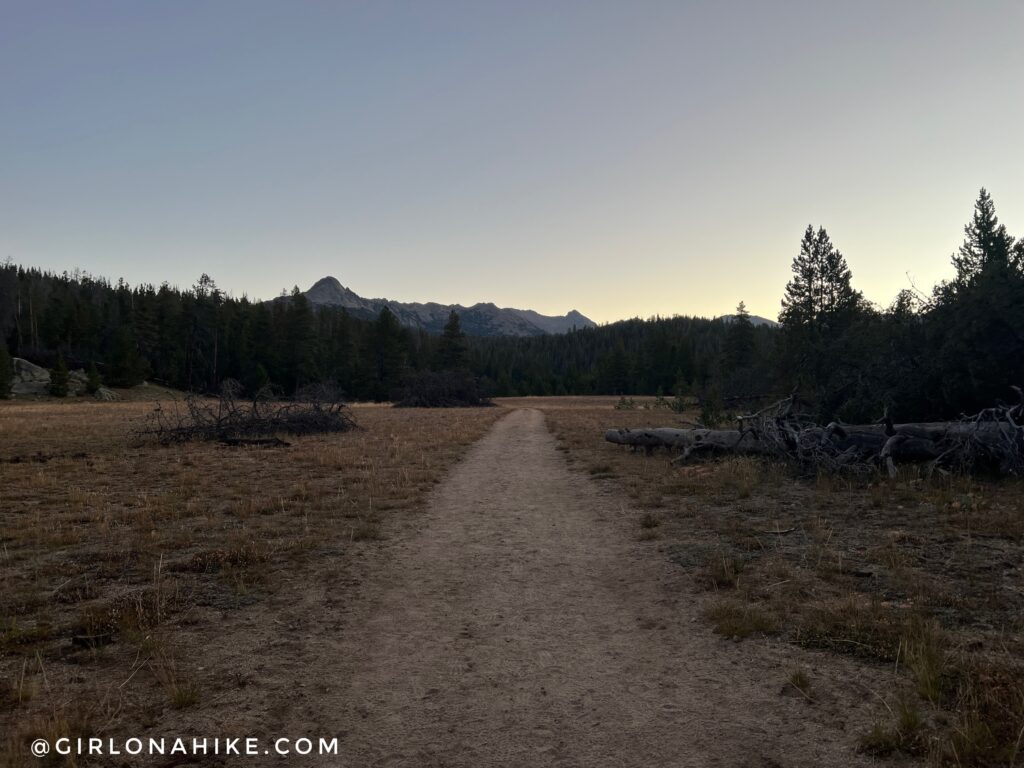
(231, 419)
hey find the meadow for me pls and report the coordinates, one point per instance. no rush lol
(122, 563)
(925, 575)
(121, 560)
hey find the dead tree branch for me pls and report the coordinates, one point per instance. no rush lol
(989, 441)
(259, 421)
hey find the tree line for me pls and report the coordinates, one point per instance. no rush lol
(934, 355)
(953, 351)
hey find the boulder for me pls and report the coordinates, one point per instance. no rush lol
(29, 378)
(105, 394)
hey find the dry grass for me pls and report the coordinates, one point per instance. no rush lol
(923, 575)
(799, 682)
(737, 620)
(106, 548)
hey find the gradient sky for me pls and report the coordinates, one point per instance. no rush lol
(624, 158)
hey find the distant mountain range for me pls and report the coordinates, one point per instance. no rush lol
(482, 319)
(477, 320)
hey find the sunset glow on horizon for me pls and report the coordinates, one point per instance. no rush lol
(621, 159)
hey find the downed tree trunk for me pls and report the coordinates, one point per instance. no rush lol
(688, 440)
(991, 440)
(862, 439)
(868, 438)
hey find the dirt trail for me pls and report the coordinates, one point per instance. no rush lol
(519, 622)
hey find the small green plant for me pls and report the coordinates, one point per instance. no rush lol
(906, 734)
(625, 404)
(926, 659)
(15, 637)
(682, 398)
(6, 372)
(181, 689)
(722, 570)
(59, 378)
(712, 410)
(92, 380)
(185, 694)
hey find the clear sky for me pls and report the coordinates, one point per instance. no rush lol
(621, 158)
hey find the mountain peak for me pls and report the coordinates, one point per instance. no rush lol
(330, 282)
(329, 291)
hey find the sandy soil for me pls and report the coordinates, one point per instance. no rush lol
(519, 621)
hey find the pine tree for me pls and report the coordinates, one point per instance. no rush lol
(739, 340)
(820, 290)
(615, 371)
(59, 378)
(300, 353)
(260, 379)
(822, 353)
(203, 347)
(837, 294)
(987, 247)
(6, 372)
(92, 380)
(452, 350)
(125, 367)
(974, 338)
(799, 302)
(389, 352)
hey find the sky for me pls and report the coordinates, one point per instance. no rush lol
(620, 158)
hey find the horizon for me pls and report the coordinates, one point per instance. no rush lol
(79, 273)
(621, 162)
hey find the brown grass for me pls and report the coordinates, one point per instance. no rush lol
(106, 546)
(923, 575)
(737, 620)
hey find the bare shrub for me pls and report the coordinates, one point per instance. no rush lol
(231, 420)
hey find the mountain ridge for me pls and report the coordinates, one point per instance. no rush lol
(481, 319)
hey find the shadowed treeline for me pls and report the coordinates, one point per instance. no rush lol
(954, 350)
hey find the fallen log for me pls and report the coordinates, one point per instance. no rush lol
(992, 440)
(688, 440)
(865, 439)
(914, 442)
